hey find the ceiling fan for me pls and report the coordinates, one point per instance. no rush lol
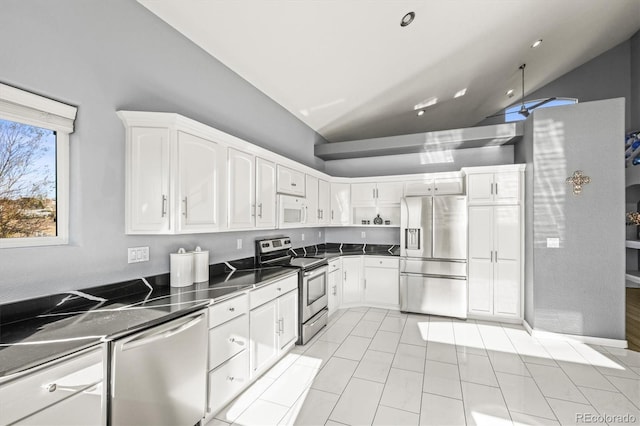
(524, 110)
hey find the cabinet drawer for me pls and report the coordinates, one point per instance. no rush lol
(381, 262)
(30, 393)
(269, 292)
(228, 380)
(227, 310)
(334, 265)
(228, 339)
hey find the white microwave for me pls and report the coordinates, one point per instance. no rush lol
(292, 211)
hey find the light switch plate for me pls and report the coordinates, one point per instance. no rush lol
(302, 237)
(553, 242)
(239, 243)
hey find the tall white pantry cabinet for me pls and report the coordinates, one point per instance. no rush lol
(496, 236)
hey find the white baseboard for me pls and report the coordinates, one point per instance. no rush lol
(600, 341)
(494, 318)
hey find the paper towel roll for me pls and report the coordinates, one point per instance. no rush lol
(181, 268)
(200, 265)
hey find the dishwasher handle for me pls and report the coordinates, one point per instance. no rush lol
(153, 336)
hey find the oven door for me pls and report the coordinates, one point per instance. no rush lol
(314, 292)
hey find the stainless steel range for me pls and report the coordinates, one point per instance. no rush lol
(312, 283)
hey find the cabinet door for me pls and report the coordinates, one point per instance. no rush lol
(481, 259)
(265, 193)
(148, 181)
(287, 318)
(263, 335)
(419, 187)
(82, 409)
(312, 212)
(363, 194)
(507, 187)
(241, 190)
(290, 181)
(507, 260)
(335, 290)
(480, 188)
(448, 186)
(351, 280)
(199, 177)
(381, 286)
(324, 205)
(389, 192)
(340, 203)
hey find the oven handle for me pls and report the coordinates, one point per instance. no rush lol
(311, 274)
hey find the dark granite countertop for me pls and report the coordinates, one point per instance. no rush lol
(330, 250)
(39, 330)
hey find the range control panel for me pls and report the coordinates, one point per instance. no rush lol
(274, 244)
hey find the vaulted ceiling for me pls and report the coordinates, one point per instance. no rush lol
(349, 70)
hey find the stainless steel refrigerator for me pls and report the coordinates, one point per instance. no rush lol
(433, 255)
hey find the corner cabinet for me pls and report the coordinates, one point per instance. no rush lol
(175, 179)
(496, 237)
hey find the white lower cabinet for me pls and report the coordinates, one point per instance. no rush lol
(351, 280)
(68, 391)
(227, 381)
(381, 281)
(494, 261)
(335, 285)
(273, 323)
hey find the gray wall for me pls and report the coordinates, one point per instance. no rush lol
(428, 162)
(104, 56)
(579, 287)
(604, 77)
(634, 122)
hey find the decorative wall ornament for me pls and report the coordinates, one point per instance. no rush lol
(633, 218)
(577, 180)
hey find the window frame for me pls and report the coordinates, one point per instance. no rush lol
(35, 110)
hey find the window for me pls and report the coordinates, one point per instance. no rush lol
(34, 169)
(511, 113)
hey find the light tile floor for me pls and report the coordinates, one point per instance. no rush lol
(372, 366)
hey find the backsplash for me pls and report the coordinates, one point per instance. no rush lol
(372, 235)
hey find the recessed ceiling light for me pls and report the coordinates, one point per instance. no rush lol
(407, 19)
(421, 112)
(510, 93)
(460, 93)
(536, 43)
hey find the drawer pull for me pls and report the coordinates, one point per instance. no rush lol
(237, 341)
(279, 289)
(232, 309)
(231, 378)
(51, 387)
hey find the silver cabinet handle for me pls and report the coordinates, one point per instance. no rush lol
(496, 256)
(374, 192)
(335, 290)
(319, 217)
(185, 207)
(231, 378)
(377, 193)
(253, 210)
(496, 188)
(331, 214)
(236, 341)
(281, 325)
(164, 205)
(260, 210)
(492, 188)
(491, 257)
(293, 184)
(365, 284)
(345, 275)
(232, 309)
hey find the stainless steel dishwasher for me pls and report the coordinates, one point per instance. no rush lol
(158, 376)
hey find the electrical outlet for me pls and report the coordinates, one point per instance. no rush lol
(302, 237)
(363, 234)
(319, 234)
(239, 243)
(137, 254)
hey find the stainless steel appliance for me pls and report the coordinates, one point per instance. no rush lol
(158, 376)
(312, 283)
(433, 255)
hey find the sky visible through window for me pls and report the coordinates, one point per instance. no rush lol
(511, 113)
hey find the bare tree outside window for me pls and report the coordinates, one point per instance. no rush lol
(27, 181)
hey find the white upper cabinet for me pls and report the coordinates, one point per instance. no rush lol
(499, 187)
(290, 181)
(369, 194)
(312, 211)
(148, 181)
(340, 204)
(324, 204)
(241, 190)
(437, 186)
(265, 193)
(200, 174)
